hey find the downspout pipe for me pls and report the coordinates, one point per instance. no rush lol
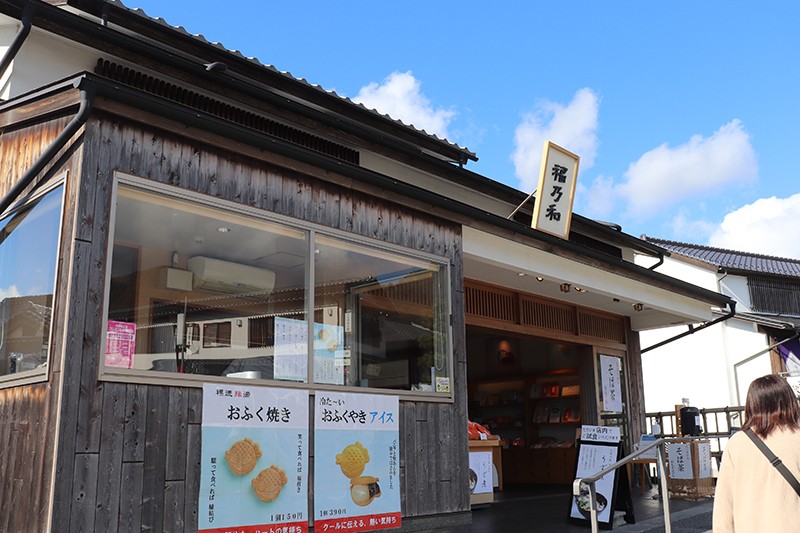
(19, 38)
(80, 118)
(731, 314)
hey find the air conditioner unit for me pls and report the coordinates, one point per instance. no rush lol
(230, 278)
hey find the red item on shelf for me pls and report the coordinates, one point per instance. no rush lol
(475, 430)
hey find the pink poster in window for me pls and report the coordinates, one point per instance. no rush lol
(120, 344)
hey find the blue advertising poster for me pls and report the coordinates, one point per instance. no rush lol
(356, 462)
(254, 462)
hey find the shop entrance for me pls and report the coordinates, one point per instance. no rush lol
(532, 394)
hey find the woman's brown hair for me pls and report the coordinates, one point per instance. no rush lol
(771, 404)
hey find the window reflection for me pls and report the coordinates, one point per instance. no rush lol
(382, 319)
(197, 290)
(200, 290)
(28, 253)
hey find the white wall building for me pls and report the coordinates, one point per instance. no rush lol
(714, 366)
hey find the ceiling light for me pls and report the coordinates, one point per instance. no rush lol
(539, 279)
(521, 274)
(579, 289)
(565, 287)
(637, 306)
(223, 229)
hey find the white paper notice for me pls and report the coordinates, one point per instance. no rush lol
(680, 460)
(480, 472)
(291, 349)
(601, 433)
(704, 459)
(611, 376)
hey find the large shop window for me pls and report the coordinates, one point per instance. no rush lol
(201, 290)
(28, 258)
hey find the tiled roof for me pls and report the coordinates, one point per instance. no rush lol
(180, 29)
(731, 259)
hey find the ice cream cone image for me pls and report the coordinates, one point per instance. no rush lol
(364, 489)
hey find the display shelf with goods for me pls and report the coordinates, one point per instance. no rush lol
(536, 417)
(556, 407)
(549, 455)
(501, 407)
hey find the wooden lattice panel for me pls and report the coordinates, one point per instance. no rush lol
(491, 303)
(611, 328)
(549, 315)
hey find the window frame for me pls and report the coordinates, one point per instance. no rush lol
(311, 229)
(39, 375)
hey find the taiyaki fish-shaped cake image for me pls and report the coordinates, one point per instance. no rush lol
(364, 489)
(242, 456)
(352, 460)
(268, 483)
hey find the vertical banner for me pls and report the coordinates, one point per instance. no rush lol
(356, 462)
(254, 464)
(558, 174)
(611, 378)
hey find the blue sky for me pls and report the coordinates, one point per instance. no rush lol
(684, 113)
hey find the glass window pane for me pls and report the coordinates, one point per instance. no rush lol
(380, 318)
(28, 257)
(200, 290)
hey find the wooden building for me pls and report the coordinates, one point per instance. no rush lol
(157, 182)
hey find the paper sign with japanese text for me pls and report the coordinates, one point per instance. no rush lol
(552, 212)
(291, 349)
(600, 433)
(356, 462)
(120, 344)
(480, 472)
(254, 461)
(593, 458)
(704, 460)
(680, 460)
(611, 378)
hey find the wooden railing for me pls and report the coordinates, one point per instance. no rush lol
(718, 425)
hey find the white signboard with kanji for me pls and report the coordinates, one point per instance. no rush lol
(611, 378)
(552, 212)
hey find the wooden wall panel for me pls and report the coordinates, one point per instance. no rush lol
(147, 438)
(28, 413)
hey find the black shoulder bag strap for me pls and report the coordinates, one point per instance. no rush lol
(774, 460)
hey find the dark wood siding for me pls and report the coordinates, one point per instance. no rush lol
(129, 453)
(29, 413)
(773, 294)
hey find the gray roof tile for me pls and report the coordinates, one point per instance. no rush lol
(731, 259)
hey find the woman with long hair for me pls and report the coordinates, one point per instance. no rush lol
(753, 496)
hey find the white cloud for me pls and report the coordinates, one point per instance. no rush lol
(10, 292)
(665, 176)
(400, 97)
(763, 227)
(573, 127)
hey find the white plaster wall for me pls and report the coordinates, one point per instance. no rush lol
(43, 59)
(446, 188)
(700, 366)
(736, 288)
(691, 367)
